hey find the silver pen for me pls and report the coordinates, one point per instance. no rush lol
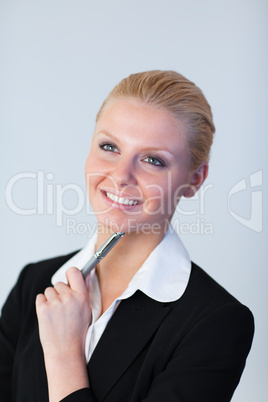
(101, 252)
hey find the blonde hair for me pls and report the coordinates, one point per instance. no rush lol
(172, 92)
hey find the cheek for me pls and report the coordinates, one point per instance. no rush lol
(95, 165)
(90, 162)
(93, 179)
(93, 172)
(177, 190)
(156, 196)
(170, 191)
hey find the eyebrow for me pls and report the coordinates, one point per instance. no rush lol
(145, 149)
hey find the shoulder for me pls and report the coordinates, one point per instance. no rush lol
(206, 289)
(207, 302)
(35, 277)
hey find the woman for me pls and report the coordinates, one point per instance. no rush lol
(147, 324)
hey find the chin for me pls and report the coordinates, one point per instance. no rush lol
(133, 226)
(112, 225)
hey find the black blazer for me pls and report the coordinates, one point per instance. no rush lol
(190, 350)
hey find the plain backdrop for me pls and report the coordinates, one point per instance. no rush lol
(59, 60)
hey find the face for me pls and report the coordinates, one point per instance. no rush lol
(137, 168)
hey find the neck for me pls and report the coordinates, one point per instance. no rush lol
(117, 269)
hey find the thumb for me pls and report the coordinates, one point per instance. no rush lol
(75, 279)
(87, 282)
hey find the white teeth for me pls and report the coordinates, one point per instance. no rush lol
(121, 200)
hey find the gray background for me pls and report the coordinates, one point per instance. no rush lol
(60, 58)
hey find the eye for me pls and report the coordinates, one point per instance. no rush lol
(108, 147)
(152, 160)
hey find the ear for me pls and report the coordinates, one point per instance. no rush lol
(197, 179)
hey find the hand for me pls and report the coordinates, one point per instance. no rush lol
(64, 316)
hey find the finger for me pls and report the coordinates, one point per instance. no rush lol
(75, 279)
(50, 293)
(61, 287)
(40, 299)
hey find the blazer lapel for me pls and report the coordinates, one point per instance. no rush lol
(132, 325)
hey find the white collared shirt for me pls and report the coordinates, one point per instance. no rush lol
(163, 277)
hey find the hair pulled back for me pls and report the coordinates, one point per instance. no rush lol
(172, 92)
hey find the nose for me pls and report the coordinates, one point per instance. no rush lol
(124, 173)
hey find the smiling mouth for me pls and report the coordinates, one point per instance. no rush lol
(121, 200)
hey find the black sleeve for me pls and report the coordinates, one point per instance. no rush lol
(19, 337)
(10, 323)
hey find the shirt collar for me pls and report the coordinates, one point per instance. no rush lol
(78, 260)
(163, 276)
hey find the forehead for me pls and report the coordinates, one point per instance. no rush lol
(131, 120)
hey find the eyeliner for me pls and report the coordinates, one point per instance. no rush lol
(101, 252)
